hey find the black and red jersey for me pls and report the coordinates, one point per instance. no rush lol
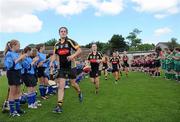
(63, 50)
(93, 57)
(119, 57)
(125, 58)
(115, 62)
(105, 61)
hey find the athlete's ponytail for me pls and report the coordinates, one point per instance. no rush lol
(7, 48)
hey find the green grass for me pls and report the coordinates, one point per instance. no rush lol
(138, 98)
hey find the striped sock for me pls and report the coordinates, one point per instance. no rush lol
(41, 90)
(17, 102)
(60, 103)
(29, 97)
(11, 105)
(33, 97)
(45, 90)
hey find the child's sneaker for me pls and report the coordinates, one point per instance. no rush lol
(32, 106)
(14, 114)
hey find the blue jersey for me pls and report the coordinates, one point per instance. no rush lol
(79, 66)
(47, 69)
(55, 63)
(9, 61)
(27, 67)
(42, 58)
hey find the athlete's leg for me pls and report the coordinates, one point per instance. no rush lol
(75, 85)
(97, 84)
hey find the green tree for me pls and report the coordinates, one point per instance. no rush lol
(51, 42)
(145, 47)
(132, 37)
(173, 43)
(103, 47)
(32, 45)
(118, 43)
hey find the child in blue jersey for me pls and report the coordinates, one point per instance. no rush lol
(53, 69)
(41, 66)
(47, 75)
(5, 106)
(53, 76)
(79, 71)
(29, 76)
(12, 62)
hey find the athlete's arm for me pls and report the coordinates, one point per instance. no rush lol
(35, 60)
(71, 57)
(20, 58)
(100, 58)
(53, 58)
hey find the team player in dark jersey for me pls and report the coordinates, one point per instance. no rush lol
(63, 50)
(119, 63)
(125, 63)
(105, 66)
(115, 66)
(95, 58)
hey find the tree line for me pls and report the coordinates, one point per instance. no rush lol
(120, 43)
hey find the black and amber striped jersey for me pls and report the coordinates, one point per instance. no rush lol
(115, 62)
(63, 50)
(125, 58)
(105, 61)
(93, 59)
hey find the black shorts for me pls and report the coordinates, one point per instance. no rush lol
(105, 66)
(67, 73)
(14, 77)
(29, 80)
(151, 66)
(145, 65)
(41, 72)
(148, 65)
(157, 63)
(94, 73)
(125, 64)
(115, 70)
(79, 71)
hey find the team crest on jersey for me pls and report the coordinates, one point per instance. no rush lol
(94, 56)
(63, 51)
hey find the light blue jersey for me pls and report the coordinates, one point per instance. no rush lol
(9, 61)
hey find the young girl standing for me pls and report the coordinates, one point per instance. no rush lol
(13, 65)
